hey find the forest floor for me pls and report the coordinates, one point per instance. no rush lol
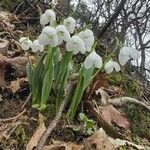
(116, 121)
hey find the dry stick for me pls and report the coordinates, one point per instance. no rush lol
(120, 101)
(13, 118)
(53, 124)
(28, 98)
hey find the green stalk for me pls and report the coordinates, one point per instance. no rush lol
(75, 96)
(63, 77)
(48, 79)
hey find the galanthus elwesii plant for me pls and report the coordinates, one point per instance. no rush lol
(56, 46)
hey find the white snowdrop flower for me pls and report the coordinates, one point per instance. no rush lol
(110, 66)
(126, 53)
(62, 34)
(88, 37)
(93, 59)
(37, 47)
(75, 44)
(50, 14)
(44, 20)
(48, 36)
(25, 43)
(70, 24)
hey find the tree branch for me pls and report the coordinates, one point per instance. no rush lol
(113, 17)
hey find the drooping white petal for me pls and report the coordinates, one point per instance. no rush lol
(88, 63)
(134, 54)
(109, 67)
(93, 59)
(53, 40)
(98, 61)
(70, 24)
(50, 14)
(48, 36)
(126, 53)
(37, 47)
(88, 38)
(49, 30)
(75, 44)
(125, 50)
(25, 43)
(123, 59)
(43, 39)
(116, 66)
(62, 34)
(44, 20)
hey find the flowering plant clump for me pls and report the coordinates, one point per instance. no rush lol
(54, 69)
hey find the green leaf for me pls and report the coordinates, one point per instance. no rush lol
(87, 76)
(82, 117)
(77, 128)
(90, 131)
(89, 123)
(48, 79)
(30, 73)
(65, 72)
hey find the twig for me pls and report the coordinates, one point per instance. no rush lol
(122, 100)
(28, 98)
(53, 123)
(29, 4)
(13, 118)
(112, 18)
(18, 7)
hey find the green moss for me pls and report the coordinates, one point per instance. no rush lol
(20, 134)
(139, 119)
(130, 86)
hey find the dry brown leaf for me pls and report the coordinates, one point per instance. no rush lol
(16, 85)
(104, 96)
(112, 115)
(58, 145)
(17, 63)
(119, 142)
(37, 134)
(3, 46)
(99, 141)
(6, 19)
(3, 65)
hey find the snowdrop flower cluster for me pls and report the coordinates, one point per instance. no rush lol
(48, 17)
(110, 66)
(93, 59)
(127, 53)
(81, 42)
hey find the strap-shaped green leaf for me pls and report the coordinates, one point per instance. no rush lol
(48, 80)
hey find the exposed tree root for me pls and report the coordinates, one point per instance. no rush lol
(122, 100)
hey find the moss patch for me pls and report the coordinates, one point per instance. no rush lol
(139, 119)
(130, 86)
